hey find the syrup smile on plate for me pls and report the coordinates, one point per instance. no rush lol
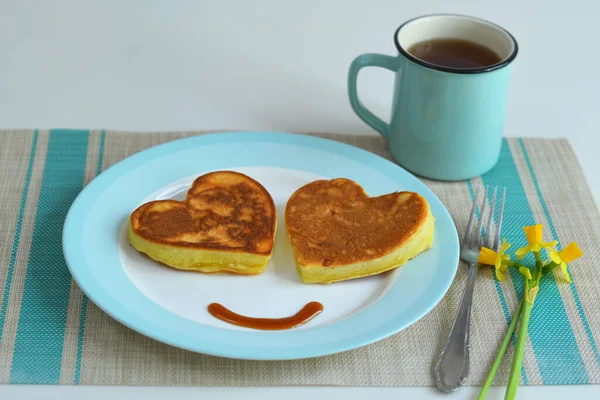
(307, 313)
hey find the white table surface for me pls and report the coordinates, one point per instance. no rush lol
(277, 66)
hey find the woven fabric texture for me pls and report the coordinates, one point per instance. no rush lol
(51, 334)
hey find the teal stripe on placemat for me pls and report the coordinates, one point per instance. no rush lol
(40, 334)
(503, 303)
(17, 239)
(584, 320)
(84, 299)
(552, 337)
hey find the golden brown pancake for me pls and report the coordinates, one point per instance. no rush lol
(226, 223)
(338, 232)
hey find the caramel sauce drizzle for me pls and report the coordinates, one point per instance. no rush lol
(307, 313)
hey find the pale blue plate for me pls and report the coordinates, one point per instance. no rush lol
(92, 237)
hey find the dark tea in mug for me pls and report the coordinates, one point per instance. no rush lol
(454, 53)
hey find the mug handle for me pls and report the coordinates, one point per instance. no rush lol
(369, 60)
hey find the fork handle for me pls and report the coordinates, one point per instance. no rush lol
(452, 366)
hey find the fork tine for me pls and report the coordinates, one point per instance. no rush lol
(499, 224)
(471, 219)
(488, 227)
(477, 236)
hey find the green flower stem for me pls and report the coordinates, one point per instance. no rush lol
(538, 272)
(531, 291)
(549, 268)
(515, 372)
(492, 374)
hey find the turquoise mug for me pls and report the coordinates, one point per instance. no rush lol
(446, 123)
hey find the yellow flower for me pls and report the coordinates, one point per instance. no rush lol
(525, 272)
(490, 257)
(534, 238)
(566, 255)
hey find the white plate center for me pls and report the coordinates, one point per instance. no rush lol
(276, 293)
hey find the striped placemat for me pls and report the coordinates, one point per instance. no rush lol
(51, 334)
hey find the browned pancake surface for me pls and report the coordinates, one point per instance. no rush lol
(335, 223)
(222, 211)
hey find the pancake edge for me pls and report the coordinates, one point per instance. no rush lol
(200, 259)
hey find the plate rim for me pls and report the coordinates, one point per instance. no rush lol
(279, 354)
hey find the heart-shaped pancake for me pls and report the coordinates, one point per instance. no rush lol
(338, 232)
(226, 223)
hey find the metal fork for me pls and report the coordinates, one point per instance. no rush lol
(452, 366)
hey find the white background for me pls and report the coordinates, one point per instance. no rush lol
(277, 66)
